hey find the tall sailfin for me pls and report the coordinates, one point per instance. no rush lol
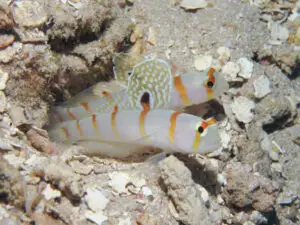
(151, 83)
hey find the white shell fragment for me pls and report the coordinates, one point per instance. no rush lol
(98, 217)
(246, 67)
(225, 138)
(152, 36)
(242, 108)
(193, 4)
(203, 62)
(50, 193)
(95, 200)
(29, 13)
(230, 71)
(261, 87)
(147, 191)
(3, 79)
(118, 182)
(224, 53)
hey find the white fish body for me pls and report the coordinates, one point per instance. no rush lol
(94, 104)
(165, 129)
(152, 84)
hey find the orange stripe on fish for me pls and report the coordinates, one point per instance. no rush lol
(95, 125)
(67, 134)
(210, 83)
(198, 135)
(58, 116)
(196, 140)
(106, 94)
(85, 105)
(113, 121)
(181, 90)
(109, 97)
(210, 121)
(142, 118)
(71, 114)
(79, 128)
(173, 126)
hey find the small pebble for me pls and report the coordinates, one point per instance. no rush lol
(242, 108)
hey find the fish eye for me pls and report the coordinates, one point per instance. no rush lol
(200, 129)
(210, 84)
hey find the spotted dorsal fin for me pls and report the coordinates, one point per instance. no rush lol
(151, 78)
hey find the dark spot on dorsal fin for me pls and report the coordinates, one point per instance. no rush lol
(145, 100)
(129, 72)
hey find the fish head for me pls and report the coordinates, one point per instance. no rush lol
(204, 86)
(198, 136)
(216, 83)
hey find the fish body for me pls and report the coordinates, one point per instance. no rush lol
(153, 78)
(151, 83)
(94, 104)
(197, 87)
(166, 129)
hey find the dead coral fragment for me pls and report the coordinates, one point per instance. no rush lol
(6, 40)
(29, 13)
